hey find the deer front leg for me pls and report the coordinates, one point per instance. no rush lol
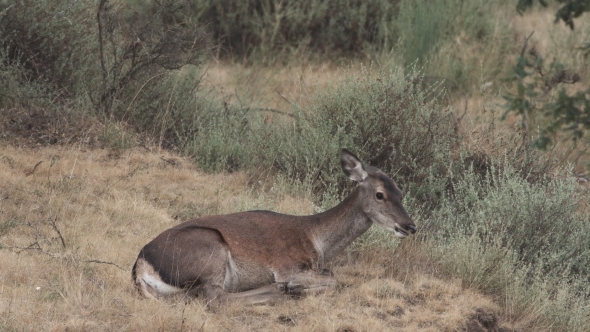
(299, 284)
(310, 282)
(266, 294)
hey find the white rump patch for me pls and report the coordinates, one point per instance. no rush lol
(150, 283)
(156, 283)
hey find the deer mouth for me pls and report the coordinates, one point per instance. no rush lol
(400, 232)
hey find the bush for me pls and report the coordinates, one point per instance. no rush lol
(108, 58)
(389, 120)
(17, 85)
(217, 135)
(424, 25)
(526, 243)
(139, 52)
(50, 39)
(449, 37)
(268, 30)
(538, 223)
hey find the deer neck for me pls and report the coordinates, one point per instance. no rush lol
(335, 229)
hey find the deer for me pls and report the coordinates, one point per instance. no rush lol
(262, 256)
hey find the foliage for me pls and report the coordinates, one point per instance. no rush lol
(448, 37)
(526, 243)
(132, 66)
(542, 228)
(535, 82)
(218, 136)
(17, 84)
(268, 30)
(570, 9)
(501, 226)
(388, 119)
(48, 43)
(424, 25)
(139, 50)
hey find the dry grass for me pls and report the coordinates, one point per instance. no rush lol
(106, 208)
(278, 87)
(72, 225)
(554, 40)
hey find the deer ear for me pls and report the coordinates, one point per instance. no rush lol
(352, 166)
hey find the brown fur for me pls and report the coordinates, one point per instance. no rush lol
(260, 256)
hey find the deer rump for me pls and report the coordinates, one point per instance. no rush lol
(248, 249)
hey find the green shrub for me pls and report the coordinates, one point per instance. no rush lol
(541, 97)
(423, 25)
(218, 136)
(460, 41)
(17, 86)
(526, 243)
(139, 53)
(104, 59)
(538, 223)
(51, 40)
(388, 119)
(269, 30)
(116, 137)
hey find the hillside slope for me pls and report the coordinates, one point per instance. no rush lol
(72, 222)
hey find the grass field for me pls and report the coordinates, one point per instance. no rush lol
(105, 143)
(73, 225)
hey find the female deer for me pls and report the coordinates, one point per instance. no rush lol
(260, 256)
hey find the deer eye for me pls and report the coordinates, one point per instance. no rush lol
(379, 196)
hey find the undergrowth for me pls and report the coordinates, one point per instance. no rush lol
(506, 222)
(524, 242)
(388, 119)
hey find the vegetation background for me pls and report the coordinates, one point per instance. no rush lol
(122, 118)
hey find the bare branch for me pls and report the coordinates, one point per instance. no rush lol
(284, 98)
(104, 262)
(267, 109)
(34, 168)
(526, 42)
(53, 224)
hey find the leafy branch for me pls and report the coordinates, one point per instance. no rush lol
(570, 9)
(537, 83)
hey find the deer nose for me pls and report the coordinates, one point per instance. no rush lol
(412, 229)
